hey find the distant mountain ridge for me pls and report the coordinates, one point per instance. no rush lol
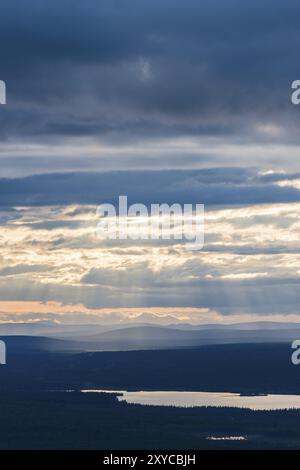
(148, 337)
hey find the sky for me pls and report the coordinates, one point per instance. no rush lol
(179, 101)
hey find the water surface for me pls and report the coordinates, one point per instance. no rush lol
(192, 399)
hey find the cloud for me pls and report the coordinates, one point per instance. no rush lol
(182, 96)
(213, 186)
(53, 317)
(249, 263)
(103, 78)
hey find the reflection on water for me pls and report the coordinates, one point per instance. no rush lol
(226, 438)
(192, 399)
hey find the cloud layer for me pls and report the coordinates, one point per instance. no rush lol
(191, 100)
(250, 262)
(139, 84)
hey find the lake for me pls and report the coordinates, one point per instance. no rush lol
(192, 399)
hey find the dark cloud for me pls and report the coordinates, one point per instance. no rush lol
(137, 68)
(218, 186)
